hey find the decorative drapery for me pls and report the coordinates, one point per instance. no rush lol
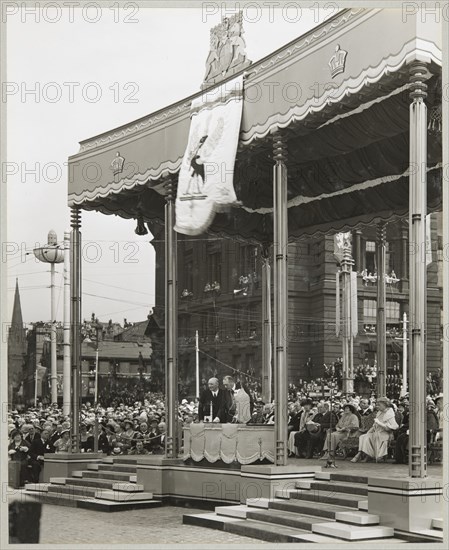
(229, 443)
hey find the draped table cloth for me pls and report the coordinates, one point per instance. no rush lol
(229, 442)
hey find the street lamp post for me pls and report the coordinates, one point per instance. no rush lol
(51, 253)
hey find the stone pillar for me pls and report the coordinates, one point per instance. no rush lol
(266, 325)
(381, 325)
(171, 324)
(404, 255)
(358, 254)
(75, 323)
(347, 338)
(417, 257)
(280, 219)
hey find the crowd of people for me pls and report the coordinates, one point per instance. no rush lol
(315, 426)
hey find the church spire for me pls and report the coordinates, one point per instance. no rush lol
(17, 320)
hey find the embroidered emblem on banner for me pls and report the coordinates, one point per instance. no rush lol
(205, 184)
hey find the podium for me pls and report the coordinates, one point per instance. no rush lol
(245, 444)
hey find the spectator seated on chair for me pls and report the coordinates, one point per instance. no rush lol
(374, 444)
(347, 424)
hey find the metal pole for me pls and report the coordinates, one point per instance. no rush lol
(171, 326)
(53, 372)
(266, 334)
(96, 375)
(197, 362)
(66, 382)
(35, 387)
(381, 325)
(280, 215)
(75, 322)
(418, 289)
(404, 355)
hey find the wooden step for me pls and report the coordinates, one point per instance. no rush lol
(352, 532)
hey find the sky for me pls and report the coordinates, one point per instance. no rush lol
(74, 73)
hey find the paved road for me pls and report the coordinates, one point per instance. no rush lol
(62, 525)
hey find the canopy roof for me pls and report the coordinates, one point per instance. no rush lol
(347, 136)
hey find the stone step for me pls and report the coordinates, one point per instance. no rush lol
(363, 505)
(287, 519)
(357, 518)
(323, 475)
(107, 460)
(261, 502)
(37, 487)
(119, 476)
(57, 480)
(131, 468)
(106, 484)
(77, 473)
(340, 499)
(120, 496)
(127, 459)
(352, 532)
(437, 523)
(316, 508)
(238, 511)
(350, 478)
(93, 467)
(74, 490)
(334, 486)
(437, 533)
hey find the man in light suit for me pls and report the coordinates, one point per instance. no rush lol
(239, 403)
(215, 396)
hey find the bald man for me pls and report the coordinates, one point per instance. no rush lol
(215, 396)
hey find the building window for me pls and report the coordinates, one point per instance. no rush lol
(392, 312)
(369, 309)
(370, 257)
(214, 267)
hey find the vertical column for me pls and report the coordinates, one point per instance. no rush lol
(280, 218)
(75, 323)
(347, 339)
(66, 357)
(405, 259)
(358, 250)
(418, 290)
(171, 323)
(381, 325)
(266, 327)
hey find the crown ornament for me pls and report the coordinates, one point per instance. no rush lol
(337, 61)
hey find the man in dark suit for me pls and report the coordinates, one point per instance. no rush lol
(38, 448)
(230, 404)
(215, 396)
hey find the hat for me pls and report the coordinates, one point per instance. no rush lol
(64, 431)
(384, 400)
(439, 396)
(128, 421)
(351, 407)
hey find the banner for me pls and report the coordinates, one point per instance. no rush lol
(205, 183)
(341, 241)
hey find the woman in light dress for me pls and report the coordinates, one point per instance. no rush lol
(349, 422)
(374, 444)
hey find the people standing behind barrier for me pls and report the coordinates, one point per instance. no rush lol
(213, 396)
(239, 403)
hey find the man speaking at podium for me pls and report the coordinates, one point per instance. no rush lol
(212, 396)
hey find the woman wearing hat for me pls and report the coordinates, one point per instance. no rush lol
(63, 444)
(18, 452)
(374, 444)
(348, 423)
